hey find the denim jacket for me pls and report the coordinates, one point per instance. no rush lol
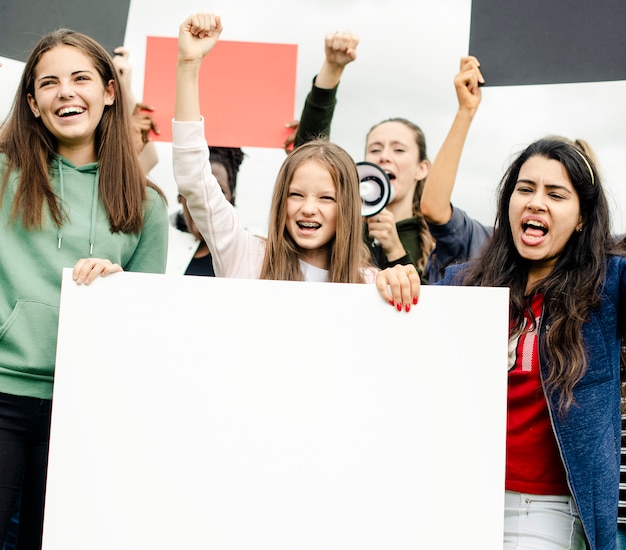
(589, 434)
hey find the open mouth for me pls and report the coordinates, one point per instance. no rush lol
(390, 175)
(534, 228)
(309, 225)
(70, 111)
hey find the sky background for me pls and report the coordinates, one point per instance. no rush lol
(408, 55)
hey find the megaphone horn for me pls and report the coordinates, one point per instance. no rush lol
(374, 187)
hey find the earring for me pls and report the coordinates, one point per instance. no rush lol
(580, 229)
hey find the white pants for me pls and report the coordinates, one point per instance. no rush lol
(541, 522)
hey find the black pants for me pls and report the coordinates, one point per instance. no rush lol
(24, 442)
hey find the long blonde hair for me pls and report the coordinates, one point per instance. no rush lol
(348, 255)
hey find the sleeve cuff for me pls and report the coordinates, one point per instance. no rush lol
(189, 133)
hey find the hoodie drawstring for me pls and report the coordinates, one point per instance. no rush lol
(94, 212)
(94, 207)
(60, 229)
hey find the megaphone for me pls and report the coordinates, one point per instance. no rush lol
(374, 187)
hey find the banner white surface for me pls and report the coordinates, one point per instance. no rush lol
(198, 413)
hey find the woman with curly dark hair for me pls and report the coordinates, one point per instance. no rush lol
(552, 247)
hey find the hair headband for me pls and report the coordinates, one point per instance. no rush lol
(593, 179)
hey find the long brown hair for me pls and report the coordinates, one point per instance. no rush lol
(348, 255)
(426, 241)
(571, 290)
(30, 147)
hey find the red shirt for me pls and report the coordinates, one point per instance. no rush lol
(533, 461)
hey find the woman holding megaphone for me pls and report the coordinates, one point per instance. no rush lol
(399, 232)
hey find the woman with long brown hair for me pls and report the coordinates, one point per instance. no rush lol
(72, 193)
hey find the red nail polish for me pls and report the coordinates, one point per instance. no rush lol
(399, 306)
(407, 308)
(415, 300)
(392, 302)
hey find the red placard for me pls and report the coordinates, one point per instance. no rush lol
(247, 91)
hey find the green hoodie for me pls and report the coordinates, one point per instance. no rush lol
(31, 264)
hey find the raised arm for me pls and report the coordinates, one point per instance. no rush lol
(196, 37)
(340, 49)
(319, 107)
(435, 202)
(234, 251)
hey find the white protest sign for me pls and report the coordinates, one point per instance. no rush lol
(199, 413)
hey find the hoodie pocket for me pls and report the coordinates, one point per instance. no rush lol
(28, 338)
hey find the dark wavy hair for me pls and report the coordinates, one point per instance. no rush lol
(571, 290)
(230, 158)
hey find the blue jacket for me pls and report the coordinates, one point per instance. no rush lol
(589, 435)
(457, 240)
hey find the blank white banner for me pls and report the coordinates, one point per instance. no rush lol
(206, 413)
